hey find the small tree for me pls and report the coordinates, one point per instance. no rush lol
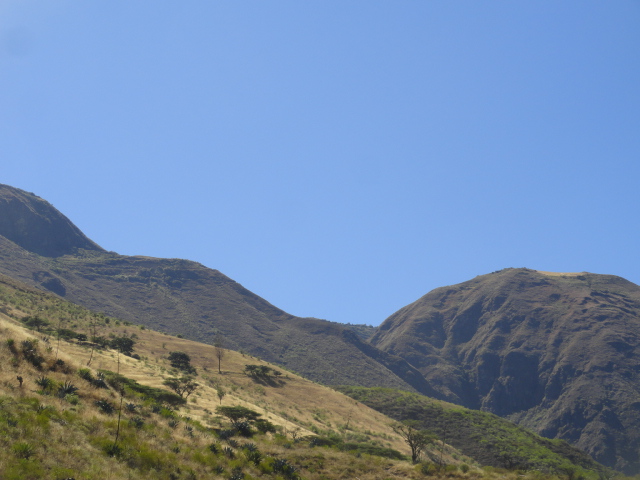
(183, 386)
(181, 361)
(238, 414)
(221, 393)
(219, 350)
(123, 344)
(416, 438)
(35, 322)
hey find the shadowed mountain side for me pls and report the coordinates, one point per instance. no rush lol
(557, 353)
(183, 297)
(41, 247)
(35, 225)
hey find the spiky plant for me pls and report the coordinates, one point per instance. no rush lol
(137, 422)
(105, 407)
(67, 388)
(45, 383)
(23, 450)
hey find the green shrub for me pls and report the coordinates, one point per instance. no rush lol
(23, 450)
(85, 374)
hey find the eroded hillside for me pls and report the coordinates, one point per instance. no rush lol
(556, 353)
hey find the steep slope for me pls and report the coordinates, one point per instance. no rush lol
(41, 247)
(558, 353)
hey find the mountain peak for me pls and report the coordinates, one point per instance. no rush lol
(35, 225)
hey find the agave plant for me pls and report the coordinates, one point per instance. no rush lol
(254, 456)
(99, 383)
(237, 474)
(137, 422)
(250, 447)
(284, 467)
(44, 382)
(226, 434)
(67, 388)
(105, 407)
(173, 423)
(23, 450)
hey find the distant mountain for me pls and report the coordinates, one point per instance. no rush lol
(558, 353)
(41, 247)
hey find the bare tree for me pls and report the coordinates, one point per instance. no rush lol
(416, 438)
(218, 344)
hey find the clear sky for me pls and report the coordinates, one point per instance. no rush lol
(339, 159)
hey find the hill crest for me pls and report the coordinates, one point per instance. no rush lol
(35, 225)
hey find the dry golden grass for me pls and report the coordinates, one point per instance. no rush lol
(561, 274)
(298, 405)
(301, 407)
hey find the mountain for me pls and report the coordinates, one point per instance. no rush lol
(41, 247)
(558, 353)
(70, 408)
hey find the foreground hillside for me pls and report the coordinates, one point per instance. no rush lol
(557, 353)
(71, 410)
(68, 419)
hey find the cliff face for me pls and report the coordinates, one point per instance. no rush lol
(556, 353)
(36, 226)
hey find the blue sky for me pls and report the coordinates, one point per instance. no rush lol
(339, 159)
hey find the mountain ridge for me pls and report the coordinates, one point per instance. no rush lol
(184, 297)
(555, 352)
(558, 354)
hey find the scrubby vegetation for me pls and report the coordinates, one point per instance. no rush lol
(486, 437)
(69, 410)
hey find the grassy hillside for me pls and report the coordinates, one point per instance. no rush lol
(59, 423)
(483, 436)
